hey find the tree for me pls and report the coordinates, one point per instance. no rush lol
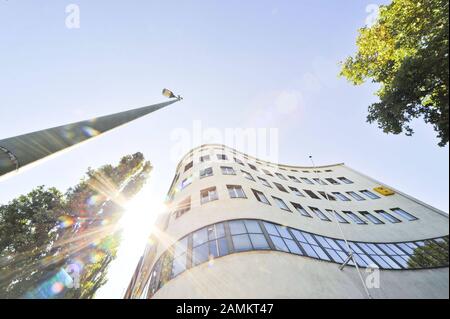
(45, 234)
(406, 52)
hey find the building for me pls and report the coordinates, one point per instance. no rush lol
(240, 227)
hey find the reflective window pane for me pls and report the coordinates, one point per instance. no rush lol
(241, 242)
(259, 241)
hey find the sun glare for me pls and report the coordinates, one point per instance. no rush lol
(139, 217)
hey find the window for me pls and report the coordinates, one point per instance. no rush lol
(186, 182)
(247, 235)
(183, 207)
(282, 239)
(345, 180)
(388, 216)
(179, 257)
(234, 236)
(264, 182)
(205, 158)
(237, 160)
(236, 191)
(319, 181)
(280, 203)
(188, 166)
(328, 170)
(294, 179)
(261, 197)
(307, 181)
(267, 172)
(372, 218)
(355, 217)
(356, 196)
(226, 170)
(338, 216)
(206, 172)
(281, 176)
(222, 157)
(332, 181)
(319, 214)
(280, 187)
(327, 196)
(342, 197)
(253, 167)
(296, 191)
(301, 209)
(208, 195)
(247, 175)
(369, 194)
(404, 214)
(209, 242)
(311, 194)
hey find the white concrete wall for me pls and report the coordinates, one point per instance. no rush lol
(312, 278)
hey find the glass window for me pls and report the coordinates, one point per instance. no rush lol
(236, 191)
(319, 214)
(253, 167)
(183, 207)
(299, 208)
(372, 218)
(345, 180)
(267, 172)
(342, 197)
(354, 217)
(356, 196)
(206, 172)
(369, 194)
(261, 197)
(400, 212)
(281, 176)
(279, 244)
(280, 203)
(319, 181)
(237, 160)
(264, 182)
(339, 218)
(208, 195)
(188, 166)
(204, 158)
(296, 191)
(237, 227)
(186, 182)
(311, 194)
(199, 237)
(253, 226)
(307, 180)
(280, 187)
(293, 178)
(388, 216)
(332, 181)
(241, 242)
(227, 170)
(271, 229)
(200, 254)
(247, 175)
(259, 241)
(327, 196)
(222, 157)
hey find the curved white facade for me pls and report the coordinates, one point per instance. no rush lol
(289, 243)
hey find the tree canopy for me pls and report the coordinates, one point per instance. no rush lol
(406, 52)
(47, 237)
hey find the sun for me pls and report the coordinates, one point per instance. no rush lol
(139, 217)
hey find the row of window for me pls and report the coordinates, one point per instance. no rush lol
(306, 180)
(241, 235)
(360, 218)
(227, 170)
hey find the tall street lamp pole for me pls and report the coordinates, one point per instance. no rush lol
(19, 151)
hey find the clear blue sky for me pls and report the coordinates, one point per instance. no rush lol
(233, 61)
